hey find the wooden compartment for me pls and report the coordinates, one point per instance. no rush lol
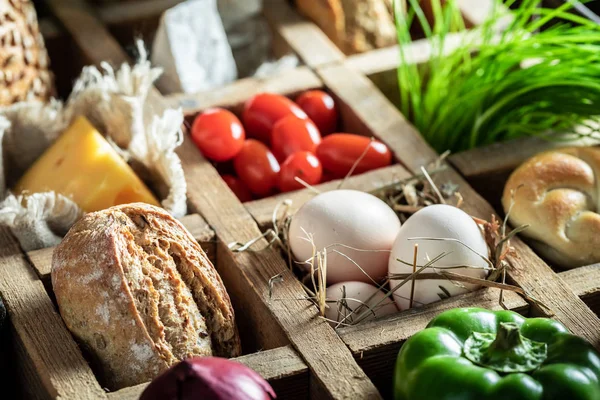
(486, 168)
(49, 362)
(364, 110)
(302, 355)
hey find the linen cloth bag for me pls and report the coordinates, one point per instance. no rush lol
(115, 103)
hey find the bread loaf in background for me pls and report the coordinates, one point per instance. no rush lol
(355, 26)
(138, 292)
(24, 71)
(557, 193)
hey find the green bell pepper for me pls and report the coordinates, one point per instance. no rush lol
(477, 354)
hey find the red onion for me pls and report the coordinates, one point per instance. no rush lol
(208, 378)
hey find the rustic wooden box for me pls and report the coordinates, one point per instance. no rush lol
(303, 356)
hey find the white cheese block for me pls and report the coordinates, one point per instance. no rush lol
(191, 46)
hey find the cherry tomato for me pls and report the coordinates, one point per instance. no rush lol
(257, 167)
(321, 109)
(303, 165)
(263, 111)
(292, 134)
(219, 134)
(237, 187)
(339, 152)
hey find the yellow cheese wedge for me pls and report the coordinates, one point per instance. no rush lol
(83, 166)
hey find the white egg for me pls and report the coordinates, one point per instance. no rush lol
(338, 220)
(358, 298)
(437, 221)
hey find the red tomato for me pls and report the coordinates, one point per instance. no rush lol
(218, 134)
(257, 167)
(321, 109)
(263, 111)
(303, 165)
(237, 187)
(292, 134)
(339, 152)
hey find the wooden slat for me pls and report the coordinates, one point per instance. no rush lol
(334, 369)
(387, 60)
(282, 367)
(41, 260)
(91, 36)
(487, 168)
(51, 350)
(585, 281)
(290, 81)
(304, 37)
(376, 344)
(378, 115)
(114, 14)
(502, 157)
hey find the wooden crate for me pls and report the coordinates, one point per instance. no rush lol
(302, 355)
(60, 370)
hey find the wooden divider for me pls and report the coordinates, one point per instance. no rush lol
(527, 270)
(282, 367)
(291, 81)
(304, 37)
(45, 344)
(487, 168)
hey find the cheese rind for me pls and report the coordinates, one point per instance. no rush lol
(83, 166)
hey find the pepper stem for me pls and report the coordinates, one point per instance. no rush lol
(507, 351)
(507, 338)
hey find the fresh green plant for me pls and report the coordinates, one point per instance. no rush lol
(500, 84)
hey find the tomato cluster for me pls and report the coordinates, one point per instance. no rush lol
(280, 141)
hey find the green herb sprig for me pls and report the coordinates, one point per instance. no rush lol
(500, 84)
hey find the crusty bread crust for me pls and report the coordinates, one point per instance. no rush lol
(355, 26)
(138, 292)
(557, 194)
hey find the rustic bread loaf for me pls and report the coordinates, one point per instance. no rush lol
(557, 193)
(355, 26)
(138, 292)
(24, 74)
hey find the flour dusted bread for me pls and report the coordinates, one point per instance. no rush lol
(138, 292)
(557, 193)
(355, 26)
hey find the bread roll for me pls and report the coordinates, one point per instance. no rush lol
(138, 292)
(557, 194)
(355, 26)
